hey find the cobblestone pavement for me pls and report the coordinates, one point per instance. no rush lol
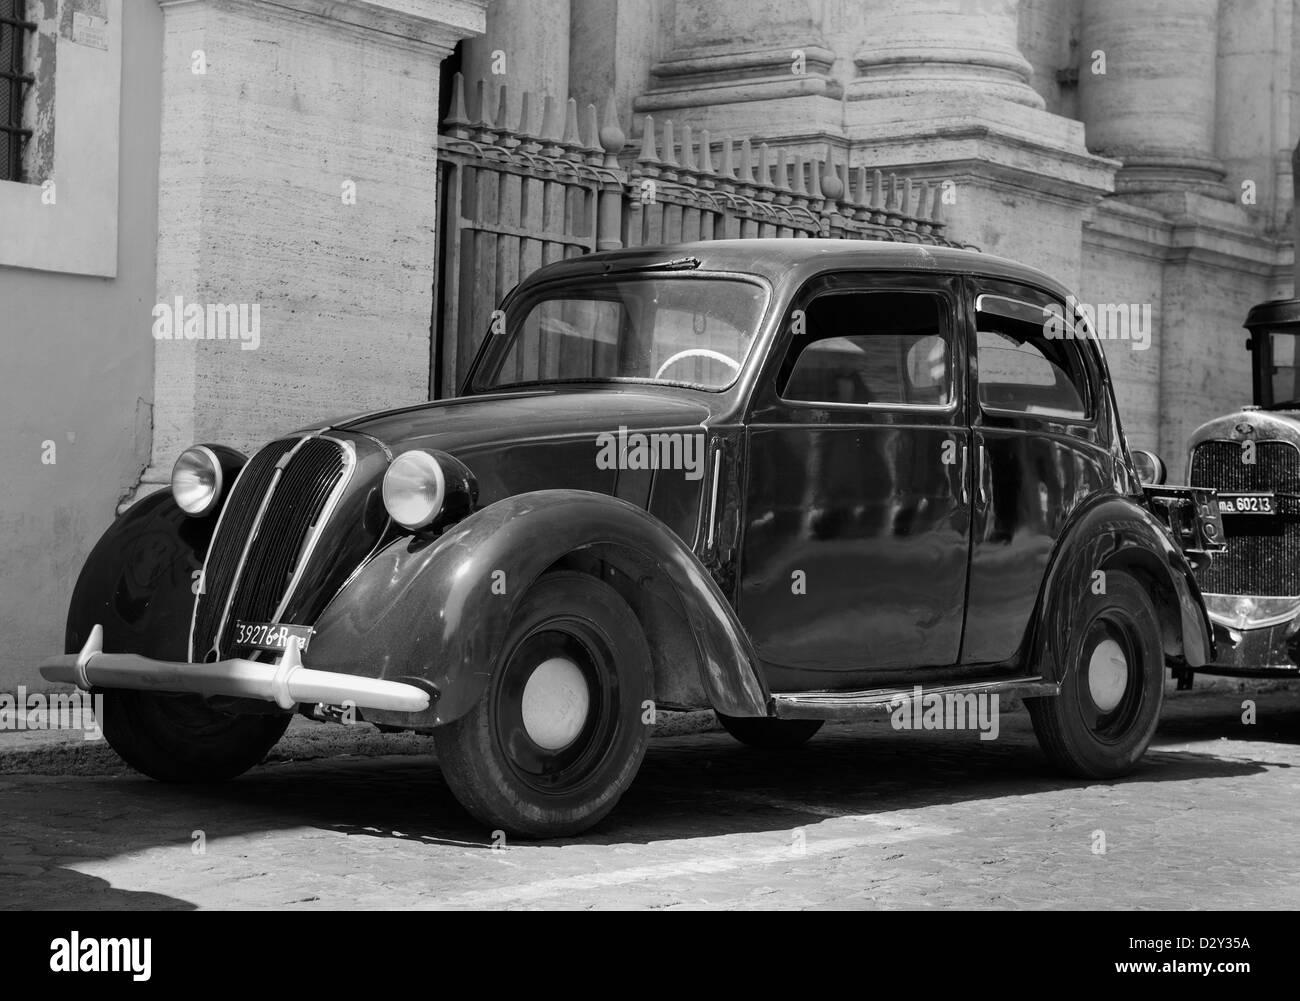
(861, 818)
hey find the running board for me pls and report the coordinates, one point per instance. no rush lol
(861, 705)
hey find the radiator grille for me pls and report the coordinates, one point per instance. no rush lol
(1263, 557)
(255, 591)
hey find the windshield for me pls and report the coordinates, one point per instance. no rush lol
(1283, 375)
(679, 330)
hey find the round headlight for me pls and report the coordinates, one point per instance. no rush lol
(415, 490)
(197, 481)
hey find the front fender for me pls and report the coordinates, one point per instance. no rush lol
(138, 582)
(438, 611)
(1117, 533)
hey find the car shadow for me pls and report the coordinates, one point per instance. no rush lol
(690, 787)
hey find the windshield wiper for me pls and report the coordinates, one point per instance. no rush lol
(681, 264)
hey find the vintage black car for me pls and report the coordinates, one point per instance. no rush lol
(1252, 458)
(789, 481)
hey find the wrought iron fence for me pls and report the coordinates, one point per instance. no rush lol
(521, 190)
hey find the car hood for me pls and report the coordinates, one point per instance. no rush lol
(471, 424)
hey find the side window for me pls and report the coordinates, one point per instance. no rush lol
(1022, 369)
(864, 348)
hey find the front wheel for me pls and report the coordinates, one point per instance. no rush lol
(1101, 723)
(560, 732)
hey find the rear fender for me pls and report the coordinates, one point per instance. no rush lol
(437, 612)
(1116, 533)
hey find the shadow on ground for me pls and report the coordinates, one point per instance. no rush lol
(692, 786)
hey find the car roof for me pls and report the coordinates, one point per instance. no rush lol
(781, 260)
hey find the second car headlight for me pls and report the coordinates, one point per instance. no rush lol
(197, 481)
(424, 488)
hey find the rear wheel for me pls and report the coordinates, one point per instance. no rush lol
(1109, 706)
(770, 734)
(559, 734)
(182, 739)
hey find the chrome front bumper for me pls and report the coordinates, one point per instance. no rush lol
(286, 684)
(1259, 649)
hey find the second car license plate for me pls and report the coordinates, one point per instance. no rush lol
(271, 636)
(1247, 504)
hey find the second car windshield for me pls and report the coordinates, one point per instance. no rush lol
(683, 330)
(1284, 374)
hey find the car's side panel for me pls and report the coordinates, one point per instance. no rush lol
(856, 546)
(439, 610)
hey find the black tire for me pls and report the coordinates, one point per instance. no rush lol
(770, 734)
(1084, 731)
(500, 774)
(181, 739)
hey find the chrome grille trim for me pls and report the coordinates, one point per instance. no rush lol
(318, 529)
(204, 578)
(314, 532)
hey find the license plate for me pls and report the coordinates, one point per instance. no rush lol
(1247, 504)
(271, 636)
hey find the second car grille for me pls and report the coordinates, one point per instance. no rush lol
(271, 547)
(1263, 557)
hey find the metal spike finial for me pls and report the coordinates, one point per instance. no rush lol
(572, 137)
(649, 152)
(706, 154)
(552, 126)
(747, 163)
(591, 130)
(612, 136)
(765, 166)
(670, 145)
(728, 169)
(484, 119)
(688, 149)
(503, 108)
(526, 115)
(459, 115)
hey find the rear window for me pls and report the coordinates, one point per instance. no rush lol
(1022, 370)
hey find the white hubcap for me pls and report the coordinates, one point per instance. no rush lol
(1107, 675)
(556, 702)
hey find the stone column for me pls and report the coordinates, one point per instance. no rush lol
(748, 67)
(1153, 107)
(613, 45)
(525, 46)
(965, 47)
(942, 93)
(297, 184)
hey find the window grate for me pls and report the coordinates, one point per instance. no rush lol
(14, 27)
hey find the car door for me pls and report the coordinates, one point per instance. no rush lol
(856, 522)
(1035, 399)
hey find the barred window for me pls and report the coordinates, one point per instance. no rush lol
(14, 80)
